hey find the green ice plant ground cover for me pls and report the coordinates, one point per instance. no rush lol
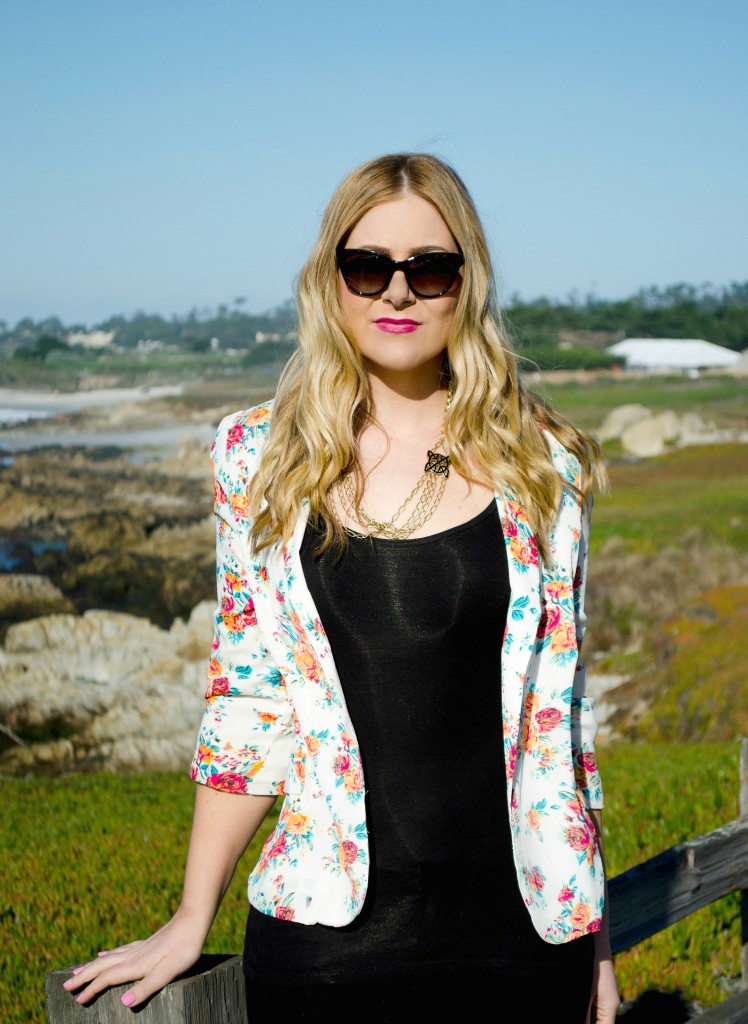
(94, 861)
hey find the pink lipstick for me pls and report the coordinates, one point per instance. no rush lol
(392, 326)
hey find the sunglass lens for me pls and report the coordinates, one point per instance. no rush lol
(433, 274)
(365, 273)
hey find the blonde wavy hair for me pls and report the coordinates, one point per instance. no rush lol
(323, 398)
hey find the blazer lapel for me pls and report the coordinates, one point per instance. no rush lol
(522, 619)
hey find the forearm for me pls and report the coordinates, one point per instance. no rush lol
(223, 826)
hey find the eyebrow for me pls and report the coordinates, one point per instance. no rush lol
(416, 251)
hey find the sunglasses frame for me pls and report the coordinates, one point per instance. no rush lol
(406, 266)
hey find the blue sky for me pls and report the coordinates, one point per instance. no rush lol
(164, 155)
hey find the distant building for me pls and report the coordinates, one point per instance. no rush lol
(262, 336)
(685, 355)
(91, 339)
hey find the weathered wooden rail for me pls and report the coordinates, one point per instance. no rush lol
(643, 901)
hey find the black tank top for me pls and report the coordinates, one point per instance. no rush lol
(416, 627)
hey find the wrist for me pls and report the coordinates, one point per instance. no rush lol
(195, 921)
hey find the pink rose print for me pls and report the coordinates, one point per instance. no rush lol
(229, 782)
(217, 687)
(347, 852)
(341, 764)
(578, 837)
(234, 436)
(276, 848)
(534, 878)
(549, 619)
(548, 718)
(565, 895)
(285, 913)
(219, 495)
(509, 527)
(588, 761)
(511, 761)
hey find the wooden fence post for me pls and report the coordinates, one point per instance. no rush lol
(744, 893)
(212, 992)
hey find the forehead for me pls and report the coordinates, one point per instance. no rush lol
(402, 223)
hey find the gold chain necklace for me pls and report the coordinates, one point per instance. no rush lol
(431, 484)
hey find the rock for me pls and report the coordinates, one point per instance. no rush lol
(618, 419)
(137, 537)
(25, 595)
(667, 424)
(642, 438)
(191, 461)
(104, 690)
(692, 427)
(104, 531)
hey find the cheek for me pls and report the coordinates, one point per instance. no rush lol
(352, 306)
(445, 315)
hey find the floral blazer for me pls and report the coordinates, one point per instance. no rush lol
(276, 722)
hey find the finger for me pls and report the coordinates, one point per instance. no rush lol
(84, 973)
(163, 972)
(116, 974)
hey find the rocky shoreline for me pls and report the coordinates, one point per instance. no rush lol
(108, 593)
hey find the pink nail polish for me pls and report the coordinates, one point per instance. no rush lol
(77, 970)
(128, 999)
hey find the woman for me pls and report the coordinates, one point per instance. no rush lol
(402, 543)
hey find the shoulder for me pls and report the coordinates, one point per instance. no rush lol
(565, 462)
(240, 435)
(234, 454)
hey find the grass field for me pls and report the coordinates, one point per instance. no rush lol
(720, 399)
(95, 861)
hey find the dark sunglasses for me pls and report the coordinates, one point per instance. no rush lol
(429, 275)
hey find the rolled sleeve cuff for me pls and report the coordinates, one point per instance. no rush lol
(254, 758)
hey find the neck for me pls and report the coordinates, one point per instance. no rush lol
(408, 404)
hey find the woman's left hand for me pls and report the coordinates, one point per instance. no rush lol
(605, 999)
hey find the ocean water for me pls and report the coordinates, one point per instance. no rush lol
(10, 417)
(12, 552)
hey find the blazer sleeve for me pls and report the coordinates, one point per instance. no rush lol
(584, 726)
(246, 733)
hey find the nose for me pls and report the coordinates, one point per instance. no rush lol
(397, 292)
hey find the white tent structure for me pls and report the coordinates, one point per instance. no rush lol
(668, 354)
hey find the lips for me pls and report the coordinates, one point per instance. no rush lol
(392, 326)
